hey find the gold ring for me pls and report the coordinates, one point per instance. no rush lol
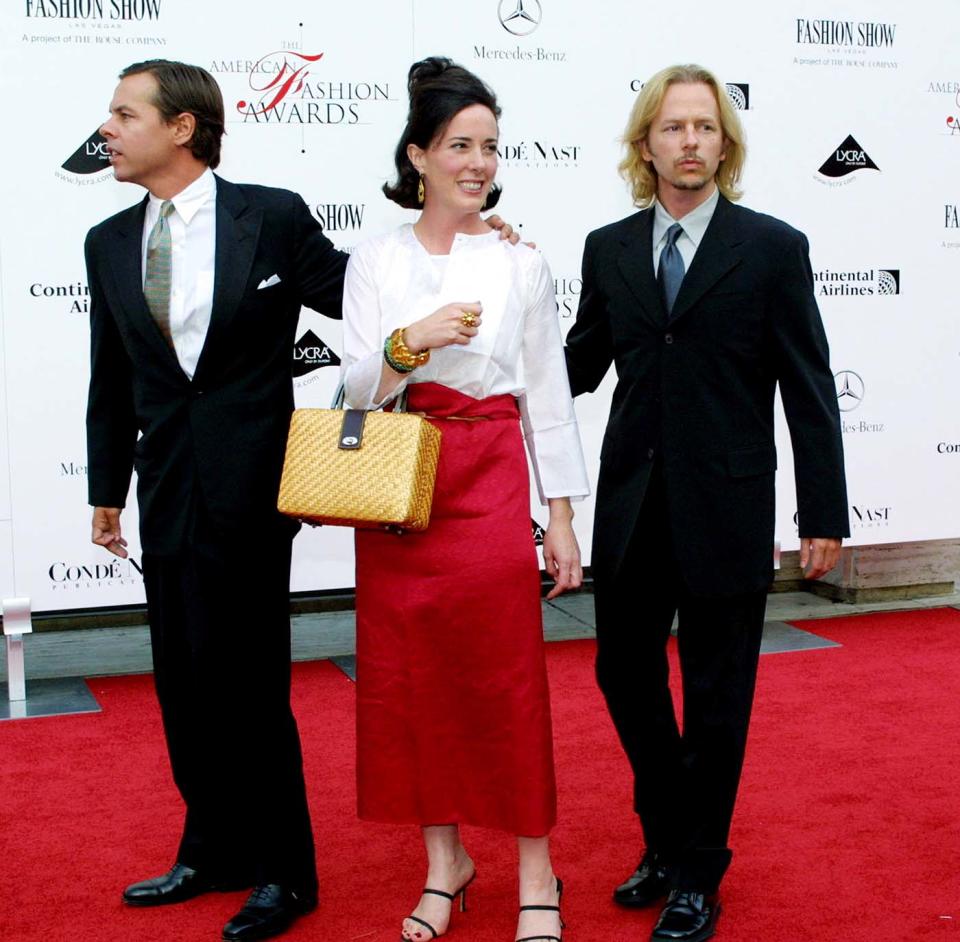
(468, 319)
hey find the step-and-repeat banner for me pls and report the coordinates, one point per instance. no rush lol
(852, 116)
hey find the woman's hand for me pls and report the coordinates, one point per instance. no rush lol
(561, 552)
(444, 327)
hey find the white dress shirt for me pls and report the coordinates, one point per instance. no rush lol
(694, 225)
(392, 281)
(193, 244)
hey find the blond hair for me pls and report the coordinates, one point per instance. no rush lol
(640, 173)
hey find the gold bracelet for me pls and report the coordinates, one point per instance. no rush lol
(402, 354)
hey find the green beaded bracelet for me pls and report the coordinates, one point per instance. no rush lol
(393, 364)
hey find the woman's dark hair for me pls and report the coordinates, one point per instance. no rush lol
(439, 89)
(188, 88)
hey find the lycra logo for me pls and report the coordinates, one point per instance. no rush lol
(847, 158)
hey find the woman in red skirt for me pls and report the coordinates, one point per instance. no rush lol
(453, 712)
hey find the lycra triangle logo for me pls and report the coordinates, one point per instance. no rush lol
(847, 158)
(90, 157)
(311, 353)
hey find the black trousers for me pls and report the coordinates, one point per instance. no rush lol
(685, 783)
(220, 630)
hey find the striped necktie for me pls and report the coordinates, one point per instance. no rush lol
(156, 283)
(671, 271)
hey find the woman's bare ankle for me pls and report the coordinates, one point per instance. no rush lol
(448, 872)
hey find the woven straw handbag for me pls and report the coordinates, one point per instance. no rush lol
(359, 468)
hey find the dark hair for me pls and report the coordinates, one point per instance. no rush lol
(439, 89)
(188, 88)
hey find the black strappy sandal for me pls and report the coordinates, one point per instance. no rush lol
(554, 909)
(462, 893)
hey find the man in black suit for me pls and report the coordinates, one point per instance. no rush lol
(206, 384)
(704, 307)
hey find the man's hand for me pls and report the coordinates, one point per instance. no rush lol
(106, 530)
(820, 554)
(506, 230)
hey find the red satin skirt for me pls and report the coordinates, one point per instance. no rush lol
(453, 711)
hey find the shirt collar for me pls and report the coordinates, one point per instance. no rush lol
(694, 223)
(462, 241)
(190, 199)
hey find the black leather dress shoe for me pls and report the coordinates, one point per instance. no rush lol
(179, 884)
(647, 884)
(689, 916)
(268, 911)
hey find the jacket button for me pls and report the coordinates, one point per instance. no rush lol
(668, 338)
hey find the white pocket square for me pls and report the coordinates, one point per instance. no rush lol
(269, 282)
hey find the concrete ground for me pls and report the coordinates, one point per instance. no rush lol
(95, 652)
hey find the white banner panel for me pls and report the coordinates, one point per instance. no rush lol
(6, 525)
(5, 510)
(852, 118)
(7, 578)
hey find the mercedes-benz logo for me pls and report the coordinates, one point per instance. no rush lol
(849, 390)
(520, 17)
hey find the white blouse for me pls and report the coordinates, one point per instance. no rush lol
(392, 281)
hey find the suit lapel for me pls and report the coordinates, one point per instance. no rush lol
(238, 228)
(636, 265)
(717, 253)
(126, 264)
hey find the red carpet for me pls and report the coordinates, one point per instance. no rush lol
(848, 825)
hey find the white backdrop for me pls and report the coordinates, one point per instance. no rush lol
(853, 125)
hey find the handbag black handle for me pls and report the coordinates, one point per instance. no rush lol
(351, 429)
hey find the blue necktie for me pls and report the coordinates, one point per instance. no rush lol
(671, 271)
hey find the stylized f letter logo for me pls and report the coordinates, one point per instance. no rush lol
(288, 70)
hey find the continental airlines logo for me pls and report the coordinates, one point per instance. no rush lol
(866, 282)
(284, 92)
(739, 94)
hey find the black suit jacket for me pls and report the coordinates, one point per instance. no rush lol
(697, 392)
(218, 439)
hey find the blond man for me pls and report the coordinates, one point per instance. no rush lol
(705, 308)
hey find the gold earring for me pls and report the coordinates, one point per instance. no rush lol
(420, 193)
